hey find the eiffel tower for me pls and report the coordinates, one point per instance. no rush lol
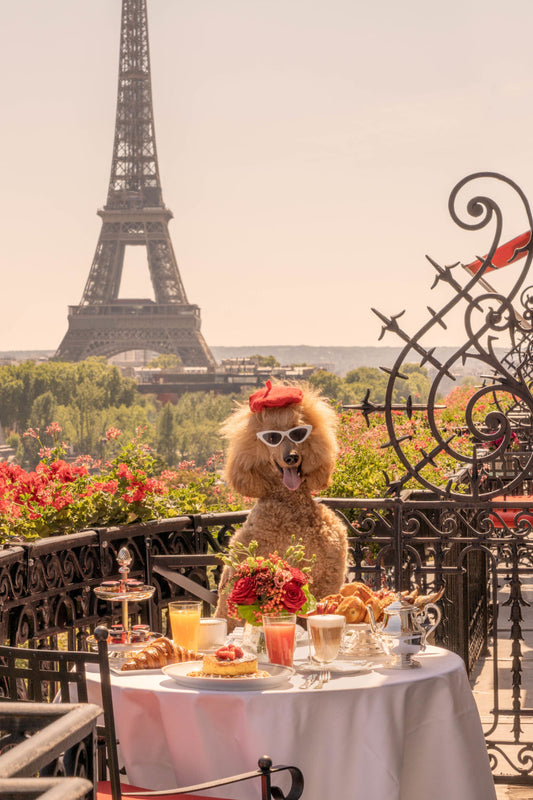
(134, 215)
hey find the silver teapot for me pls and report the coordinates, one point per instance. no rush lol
(404, 630)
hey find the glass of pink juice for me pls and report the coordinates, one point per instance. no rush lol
(280, 631)
(184, 616)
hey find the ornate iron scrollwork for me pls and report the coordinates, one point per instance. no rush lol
(506, 390)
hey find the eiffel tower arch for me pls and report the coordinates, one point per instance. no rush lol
(134, 215)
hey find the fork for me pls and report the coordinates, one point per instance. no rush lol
(324, 677)
(311, 680)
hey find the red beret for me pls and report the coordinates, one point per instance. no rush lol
(275, 397)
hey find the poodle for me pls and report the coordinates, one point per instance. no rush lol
(282, 447)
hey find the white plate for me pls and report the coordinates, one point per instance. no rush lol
(276, 676)
(118, 671)
(337, 667)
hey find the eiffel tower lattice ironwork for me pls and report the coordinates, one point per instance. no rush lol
(134, 215)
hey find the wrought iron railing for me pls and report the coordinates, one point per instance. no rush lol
(46, 586)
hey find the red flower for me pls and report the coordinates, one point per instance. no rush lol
(298, 576)
(293, 597)
(138, 495)
(60, 502)
(243, 592)
(124, 471)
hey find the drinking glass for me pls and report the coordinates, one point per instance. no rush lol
(326, 632)
(213, 632)
(309, 662)
(280, 632)
(184, 618)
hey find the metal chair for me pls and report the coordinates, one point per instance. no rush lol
(167, 567)
(39, 675)
(264, 773)
(33, 740)
(35, 675)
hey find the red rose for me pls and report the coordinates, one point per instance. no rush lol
(298, 576)
(293, 597)
(243, 592)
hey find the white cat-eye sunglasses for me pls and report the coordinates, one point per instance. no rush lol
(295, 435)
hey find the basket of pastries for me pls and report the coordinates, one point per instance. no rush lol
(353, 600)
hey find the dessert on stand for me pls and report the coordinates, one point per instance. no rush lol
(125, 641)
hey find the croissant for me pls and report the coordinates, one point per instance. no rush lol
(377, 607)
(359, 589)
(424, 599)
(353, 609)
(411, 596)
(158, 654)
(328, 605)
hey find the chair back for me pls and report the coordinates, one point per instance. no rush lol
(173, 569)
(37, 675)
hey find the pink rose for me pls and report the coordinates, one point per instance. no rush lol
(293, 597)
(243, 592)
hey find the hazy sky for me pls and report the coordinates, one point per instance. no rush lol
(307, 150)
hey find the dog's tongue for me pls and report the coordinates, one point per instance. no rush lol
(291, 478)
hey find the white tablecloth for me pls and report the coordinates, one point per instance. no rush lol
(383, 735)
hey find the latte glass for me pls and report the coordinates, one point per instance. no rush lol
(326, 634)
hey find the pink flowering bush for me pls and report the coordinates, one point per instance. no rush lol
(60, 497)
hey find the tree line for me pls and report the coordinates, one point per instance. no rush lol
(352, 389)
(89, 397)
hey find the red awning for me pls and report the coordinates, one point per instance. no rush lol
(506, 254)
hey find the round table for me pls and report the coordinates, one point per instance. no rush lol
(384, 734)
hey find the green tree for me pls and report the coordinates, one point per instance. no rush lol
(417, 384)
(359, 381)
(198, 418)
(265, 361)
(166, 436)
(21, 384)
(165, 361)
(11, 394)
(329, 384)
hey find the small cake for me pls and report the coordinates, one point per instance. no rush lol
(229, 661)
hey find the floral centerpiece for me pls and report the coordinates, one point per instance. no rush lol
(272, 585)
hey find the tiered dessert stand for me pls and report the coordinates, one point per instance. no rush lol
(126, 591)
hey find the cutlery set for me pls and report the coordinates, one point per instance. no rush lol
(316, 680)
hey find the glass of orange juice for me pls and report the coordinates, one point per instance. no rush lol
(184, 618)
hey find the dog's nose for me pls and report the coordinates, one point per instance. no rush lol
(291, 459)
